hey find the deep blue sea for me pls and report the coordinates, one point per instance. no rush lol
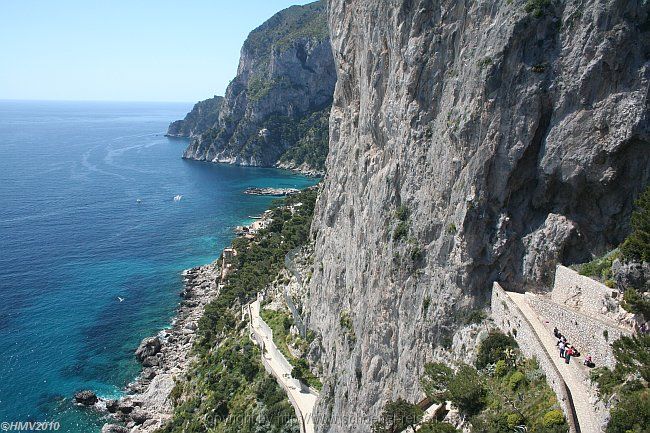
(73, 239)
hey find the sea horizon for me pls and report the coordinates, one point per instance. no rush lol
(107, 101)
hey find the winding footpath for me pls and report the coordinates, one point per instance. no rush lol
(572, 373)
(302, 397)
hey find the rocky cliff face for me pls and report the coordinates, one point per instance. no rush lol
(204, 115)
(280, 98)
(469, 142)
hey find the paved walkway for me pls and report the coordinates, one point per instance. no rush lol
(572, 374)
(302, 397)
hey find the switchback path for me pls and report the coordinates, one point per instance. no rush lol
(571, 373)
(302, 397)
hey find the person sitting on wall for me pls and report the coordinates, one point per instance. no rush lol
(556, 333)
(588, 362)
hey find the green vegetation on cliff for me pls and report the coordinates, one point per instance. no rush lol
(397, 416)
(305, 138)
(227, 389)
(311, 135)
(628, 384)
(635, 248)
(276, 109)
(506, 392)
(204, 115)
(287, 26)
(633, 251)
(600, 268)
(637, 245)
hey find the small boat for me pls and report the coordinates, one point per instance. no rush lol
(138, 201)
(178, 197)
(255, 217)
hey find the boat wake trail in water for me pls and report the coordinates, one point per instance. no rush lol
(85, 162)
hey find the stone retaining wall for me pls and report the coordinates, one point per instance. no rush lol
(585, 294)
(590, 335)
(509, 318)
(590, 297)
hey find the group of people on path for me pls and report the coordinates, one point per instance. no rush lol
(567, 350)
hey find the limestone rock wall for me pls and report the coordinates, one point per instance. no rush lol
(587, 295)
(513, 137)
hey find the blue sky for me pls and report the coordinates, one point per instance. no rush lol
(124, 50)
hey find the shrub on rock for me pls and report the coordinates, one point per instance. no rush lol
(467, 391)
(397, 416)
(494, 348)
(637, 245)
(500, 368)
(553, 418)
(516, 379)
(437, 427)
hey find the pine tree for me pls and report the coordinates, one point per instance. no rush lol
(637, 245)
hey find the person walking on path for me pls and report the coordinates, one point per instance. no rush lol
(562, 347)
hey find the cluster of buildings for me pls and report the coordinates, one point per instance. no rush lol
(262, 222)
(252, 229)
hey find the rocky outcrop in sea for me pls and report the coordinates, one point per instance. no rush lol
(276, 192)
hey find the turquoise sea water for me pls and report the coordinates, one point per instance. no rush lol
(73, 239)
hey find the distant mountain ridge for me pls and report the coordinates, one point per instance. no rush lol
(276, 110)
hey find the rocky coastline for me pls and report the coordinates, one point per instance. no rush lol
(276, 192)
(303, 169)
(146, 404)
